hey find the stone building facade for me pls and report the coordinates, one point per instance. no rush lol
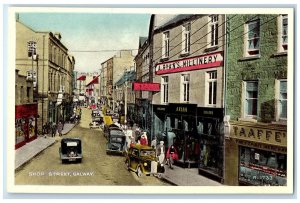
(51, 69)
(256, 100)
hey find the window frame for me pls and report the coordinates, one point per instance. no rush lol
(186, 38)
(246, 98)
(213, 29)
(252, 51)
(212, 78)
(282, 47)
(185, 88)
(165, 44)
(279, 100)
(165, 89)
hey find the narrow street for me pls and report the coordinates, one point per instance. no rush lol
(96, 168)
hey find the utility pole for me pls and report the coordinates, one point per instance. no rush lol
(43, 83)
(125, 120)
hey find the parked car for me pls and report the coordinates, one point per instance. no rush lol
(142, 160)
(116, 141)
(108, 128)
(95, 112)
(70, 150)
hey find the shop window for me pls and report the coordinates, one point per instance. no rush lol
(283, 33)
(186, 36)
(31, 127)
(213, 30)
(212, 88)
(20, 127)
(259, 167)
(165, 45)
(251, 99)
(252, 38)
(165, 89)
(185, 88)
(282, 100)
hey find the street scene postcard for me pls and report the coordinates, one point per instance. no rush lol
(185, 101)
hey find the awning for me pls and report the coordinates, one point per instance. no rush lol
(83, 77)
(94, 81)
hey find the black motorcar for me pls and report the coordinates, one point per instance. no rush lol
(108, 128)
(116, 141)
(70, 150)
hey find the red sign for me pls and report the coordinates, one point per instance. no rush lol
(26, 110)
(143, 86)
(189, 64)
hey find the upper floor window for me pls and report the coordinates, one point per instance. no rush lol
(282, 100)
(165, 45)
(213, 30)
(31, 48)
(212, 88)
(283, 33)
(252, 38)
(251, 95)
(185, 88)
(165, 89)
(186, 35)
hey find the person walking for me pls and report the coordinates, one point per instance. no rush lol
(160, 152)
(60, 127)
(53, 129)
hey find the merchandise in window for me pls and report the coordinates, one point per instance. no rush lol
(259, 167)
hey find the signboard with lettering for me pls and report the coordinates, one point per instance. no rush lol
(189, 64)
(146, 86)
(256, 134)
(210, 112)
(189, 109)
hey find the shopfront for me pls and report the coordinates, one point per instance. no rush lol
(210, 131)
(260, 153)
(25, 124)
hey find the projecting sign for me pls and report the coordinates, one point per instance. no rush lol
(143, 86)
(189, 64)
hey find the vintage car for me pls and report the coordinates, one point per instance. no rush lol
(116, 141)
(95, 112)
(142, 160)
(108, 128)
(70, 150)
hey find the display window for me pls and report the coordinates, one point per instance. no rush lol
(211, 145)
(31, 126)
(20, 127)
(259, 167)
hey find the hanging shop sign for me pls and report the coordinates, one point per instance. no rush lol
(146, 86)
(262, 135)
(188, 64)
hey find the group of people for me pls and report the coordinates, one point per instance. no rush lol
(164, 156)
(52, 128)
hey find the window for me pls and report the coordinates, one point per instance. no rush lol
(212, 88)
(31, 45)
(28, 92)
(185, 90)
(282, 102)
(213, 26)
(253, 36)
(251, 99)
(165, 47)
(283, 33)
(165, 91)
(186, 35)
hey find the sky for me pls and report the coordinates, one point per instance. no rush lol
(92, 38)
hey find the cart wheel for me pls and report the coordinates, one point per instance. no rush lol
(139, 171)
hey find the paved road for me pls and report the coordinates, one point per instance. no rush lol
(96, 168)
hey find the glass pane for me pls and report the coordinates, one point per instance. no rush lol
(188, 92)
(251, 107)
(216, 35)
(283, 109)
(215, 93)
(210, 93)
(251, 86)
(251, 94)
(283, 87)
(212, 34)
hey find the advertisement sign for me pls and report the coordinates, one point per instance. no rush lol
(144, 86)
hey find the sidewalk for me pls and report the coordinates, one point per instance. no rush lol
(187, 177)
(33, 148)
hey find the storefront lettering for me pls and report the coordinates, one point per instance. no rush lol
(161, 109)
(182, 109)
(208, 112)
(259, 134)
(198, 62)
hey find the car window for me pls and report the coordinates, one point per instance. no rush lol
(147, 153)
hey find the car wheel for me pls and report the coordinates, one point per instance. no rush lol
(139, 171)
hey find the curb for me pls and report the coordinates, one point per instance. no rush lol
(71, 128)
(18, 168)
(168, 181)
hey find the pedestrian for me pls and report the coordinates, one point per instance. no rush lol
(144, 140)
(154, 143)
(53, 129)
(160, 152)
(60, 127)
